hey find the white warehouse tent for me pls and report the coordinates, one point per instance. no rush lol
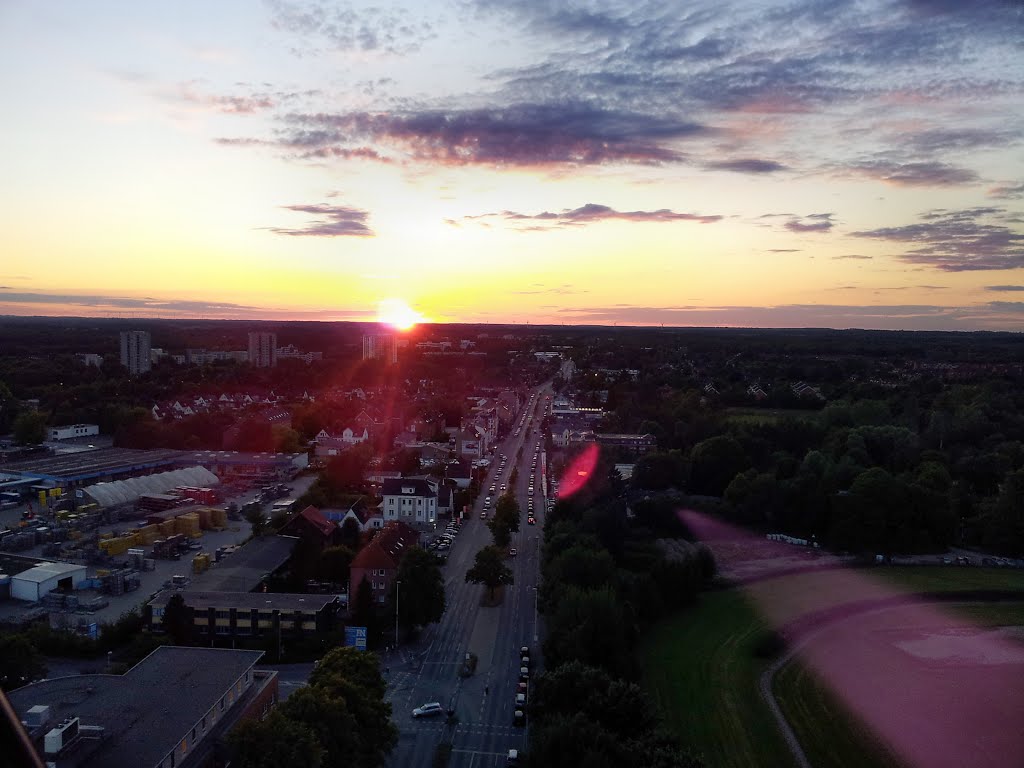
(128, 491)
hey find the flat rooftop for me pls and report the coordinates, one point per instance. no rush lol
(243, 570)
(247, 601)
(145, 711)
(89, 465)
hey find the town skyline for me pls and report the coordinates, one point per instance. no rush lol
(809, 164)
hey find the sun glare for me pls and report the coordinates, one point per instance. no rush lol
(398, 314)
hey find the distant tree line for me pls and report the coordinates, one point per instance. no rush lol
(916, 471)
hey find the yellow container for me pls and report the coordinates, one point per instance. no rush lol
(187, 524)
(107, 535)
(204, 518)
(130, 539)
(149, 534)
(219, 518)
(100, 572)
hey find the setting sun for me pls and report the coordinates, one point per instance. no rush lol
(398, 314)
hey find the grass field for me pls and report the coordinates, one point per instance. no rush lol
(830, 735)
(951, 579)
(700, 669)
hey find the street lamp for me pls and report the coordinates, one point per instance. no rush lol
(398, 585)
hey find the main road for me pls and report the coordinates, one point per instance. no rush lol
(482, 731)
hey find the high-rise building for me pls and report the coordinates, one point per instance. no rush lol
(380, 346)
(262, 349)
(135, 351)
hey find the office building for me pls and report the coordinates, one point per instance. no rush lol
(380, 346)
(135, 351)
(262, 349)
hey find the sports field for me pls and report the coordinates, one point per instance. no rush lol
(700, 668)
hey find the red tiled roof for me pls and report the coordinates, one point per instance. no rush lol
(312, 515)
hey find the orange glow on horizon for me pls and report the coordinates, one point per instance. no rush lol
(398, 314)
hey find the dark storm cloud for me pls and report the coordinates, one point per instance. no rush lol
(748, 165)
(973, 239)
(815, 222)
(517, 135)
(593, 212)
(330, 221)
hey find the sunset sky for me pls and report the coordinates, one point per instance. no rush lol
(841, 163)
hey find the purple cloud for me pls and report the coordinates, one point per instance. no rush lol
(517, 135)
(331, 221)
(748, 165)
(815, 222)
(926, 174)
(973, 239)
(1005, 288)
(593, 212)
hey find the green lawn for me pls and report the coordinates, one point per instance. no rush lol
(951, 578)
(830, 735)
(700, 669)
(746, 415)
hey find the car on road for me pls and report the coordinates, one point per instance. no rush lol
(518, 717)
(483, 514)
(531, 520)
(512, 552)
(520, 701)
(428, 710)
(524, 650)
(513, 757)
(524, 674)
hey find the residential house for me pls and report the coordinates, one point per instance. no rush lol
(310, 523)
(410, 500)
(378, 561)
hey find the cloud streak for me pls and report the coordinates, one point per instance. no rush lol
(329, 221)
(593, 212)
(528, 134)
(974, 239)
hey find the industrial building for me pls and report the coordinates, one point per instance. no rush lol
(247, 614)
(248, 566)
(171, 710)
(73, 470)
(34, 584)
(128, 491)
(74, 430)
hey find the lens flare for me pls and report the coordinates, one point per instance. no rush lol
(579, 472)
(398, 314)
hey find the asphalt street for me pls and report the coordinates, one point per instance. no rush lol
(482, 731)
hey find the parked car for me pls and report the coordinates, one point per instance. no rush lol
(518, 717)
(428, 710)
(512, 552)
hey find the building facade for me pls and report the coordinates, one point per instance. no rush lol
(410, 501)
(262, 349)
(136, 348)
(380, 346)
(74, 430)
(378, 561)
